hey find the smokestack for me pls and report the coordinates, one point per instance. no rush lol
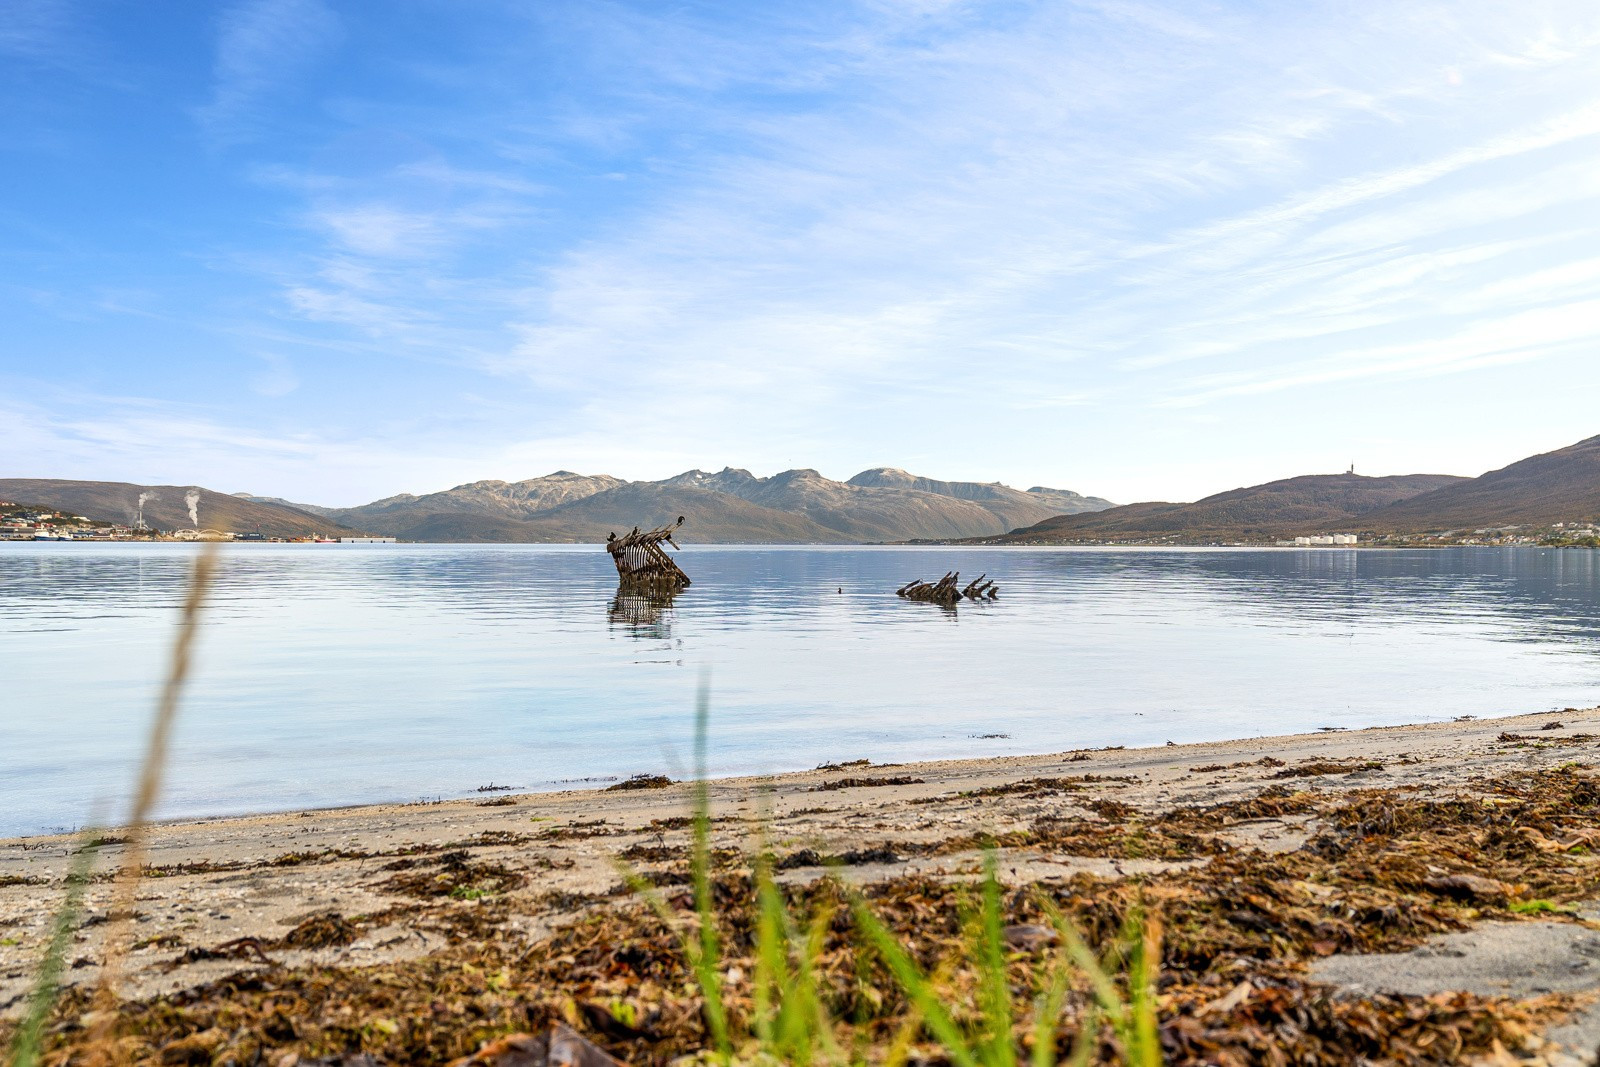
(138, 520)
(192, 499)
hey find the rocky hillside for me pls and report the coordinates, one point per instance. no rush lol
(1311, 503)
(1058, 501)
(730, 505)
(1559, 486)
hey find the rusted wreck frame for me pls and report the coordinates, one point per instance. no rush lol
(947, 590)
(641, 561)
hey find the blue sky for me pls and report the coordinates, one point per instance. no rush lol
(332, 251)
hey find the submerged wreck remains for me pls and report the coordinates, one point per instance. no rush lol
(948, 590)
(642, 564)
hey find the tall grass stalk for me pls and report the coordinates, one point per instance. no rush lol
(708, 960)
(151, 770)
(26, 1043)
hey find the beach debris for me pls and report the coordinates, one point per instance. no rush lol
(240, 948)
(1509, 738)
(324, 930)
(948, 590)
(1469, 887)
(561, 1047)
(641, 561)
(1317, 768)
(1239, 926)
(810, 857)
(641, 781)
(455, 875)
(864, 783)
(1029, 937)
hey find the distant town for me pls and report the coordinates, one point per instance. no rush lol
(31, 522)
(1557, 535)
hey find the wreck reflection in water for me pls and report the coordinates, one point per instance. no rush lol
(643, 613)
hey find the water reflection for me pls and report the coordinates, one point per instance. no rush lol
(335, 674)
(644, 614)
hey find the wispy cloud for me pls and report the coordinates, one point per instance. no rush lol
(849, 233)
(36, 29)
(263, 47)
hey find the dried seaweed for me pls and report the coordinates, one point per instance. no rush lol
(1316, 768)
(864, 783)
(1384, 870)
(640, 781)
(1568, 739)
(324, 930)
(452, 874)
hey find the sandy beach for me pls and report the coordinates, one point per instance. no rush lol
(365, 890)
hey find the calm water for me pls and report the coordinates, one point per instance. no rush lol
(336, 674)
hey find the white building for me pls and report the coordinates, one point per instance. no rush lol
(1325, 539)
(366, 540)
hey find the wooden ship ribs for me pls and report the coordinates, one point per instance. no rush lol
(948, 590)
(642, 564)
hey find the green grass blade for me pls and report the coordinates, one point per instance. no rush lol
(994, 986)
(916, 985)
(813, 1005)
(1047, 1010)
(771, 960)
(26, 1042)
(707, 962)
(1144, 952)
(1105, 991)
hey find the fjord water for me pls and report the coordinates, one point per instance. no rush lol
(336, 674)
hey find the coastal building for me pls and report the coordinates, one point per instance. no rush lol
(366, 540)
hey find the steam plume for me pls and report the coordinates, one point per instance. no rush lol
(192, 499)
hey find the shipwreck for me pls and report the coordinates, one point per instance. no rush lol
(643, 566)
(948, 590)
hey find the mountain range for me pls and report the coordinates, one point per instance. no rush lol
(882, 504)
(1559, 486)
(727, 506)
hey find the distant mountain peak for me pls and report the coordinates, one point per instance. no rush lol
(800, 504)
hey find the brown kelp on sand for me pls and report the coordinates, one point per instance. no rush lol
(828, 970)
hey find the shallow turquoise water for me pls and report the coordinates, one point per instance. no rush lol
(333, 674)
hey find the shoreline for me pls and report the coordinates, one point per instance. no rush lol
(408, 885)
(613, 791)
(602, 785)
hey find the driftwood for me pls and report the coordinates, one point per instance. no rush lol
(948, 590)
(641, 561)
